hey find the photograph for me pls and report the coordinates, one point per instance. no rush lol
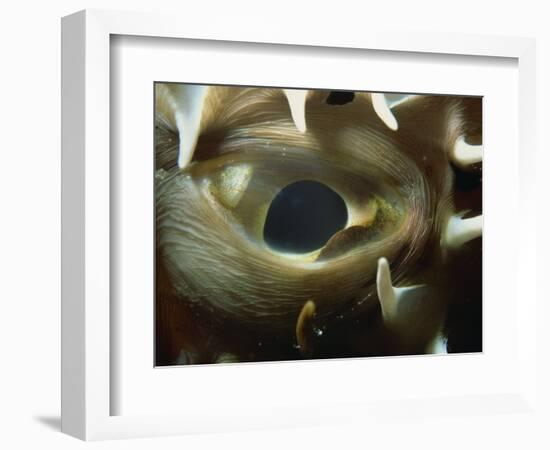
(311, 224)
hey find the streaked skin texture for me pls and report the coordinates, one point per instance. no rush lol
(385, 285)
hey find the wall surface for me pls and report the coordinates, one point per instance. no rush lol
(30, 225)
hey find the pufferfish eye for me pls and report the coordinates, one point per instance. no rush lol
(285, 217)
(293, 201)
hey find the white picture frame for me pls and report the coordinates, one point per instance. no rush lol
(87, 328)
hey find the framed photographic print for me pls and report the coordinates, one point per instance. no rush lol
(238, 241)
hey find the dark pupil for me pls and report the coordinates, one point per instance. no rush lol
(303, 217)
